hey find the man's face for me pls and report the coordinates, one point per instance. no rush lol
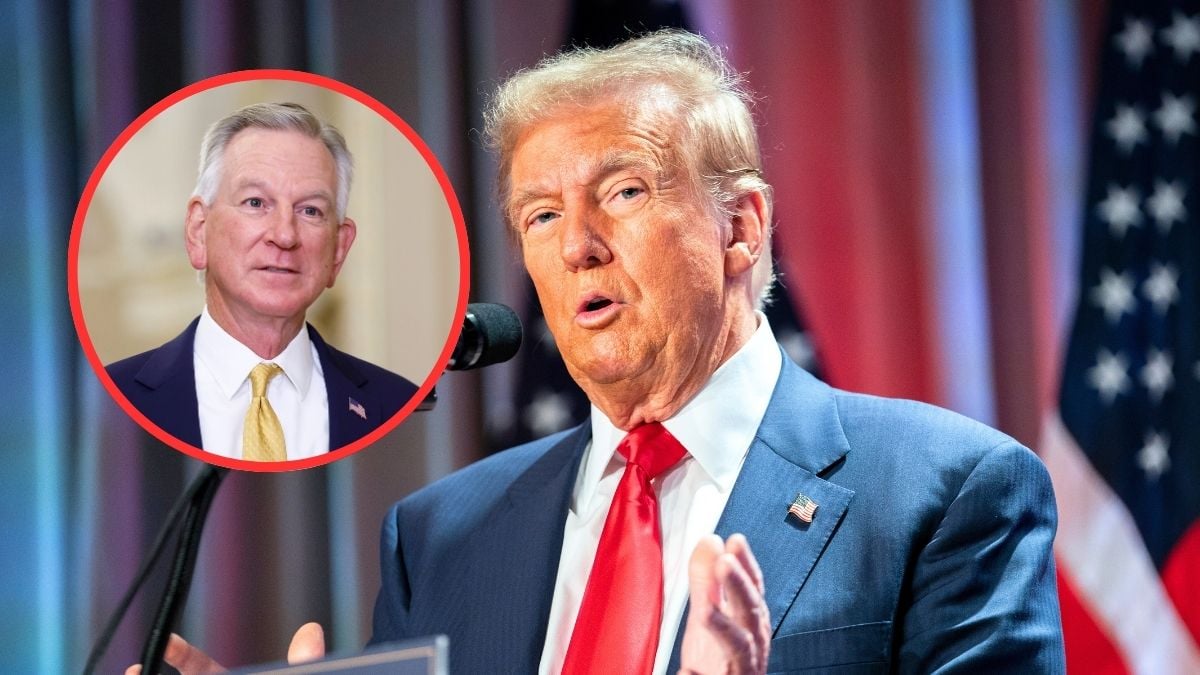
(628, 262)
(270, 241)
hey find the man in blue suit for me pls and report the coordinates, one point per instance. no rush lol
(801, 528)
(267, 225)
(891, 535)
(920, 541)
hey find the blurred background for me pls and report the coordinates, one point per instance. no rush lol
(936, 165)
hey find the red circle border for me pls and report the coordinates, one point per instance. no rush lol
(245, 76)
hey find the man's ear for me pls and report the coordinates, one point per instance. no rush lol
(194, 233)
(748, 232)
(346, 232)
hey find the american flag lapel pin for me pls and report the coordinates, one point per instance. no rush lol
(803, 508)
(358, 409)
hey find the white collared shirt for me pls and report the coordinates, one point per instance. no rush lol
(223, 365)
(716, 427)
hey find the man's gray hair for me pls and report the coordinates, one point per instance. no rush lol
(280, 117)
(719, 141)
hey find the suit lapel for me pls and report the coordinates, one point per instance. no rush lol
(799, 438)
(521, 548)
(352, 413)
(785, 547)
(170, 375)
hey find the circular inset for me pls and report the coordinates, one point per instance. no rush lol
(398, 255)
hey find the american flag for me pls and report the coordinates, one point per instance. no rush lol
(1125, 449)
(803, 508)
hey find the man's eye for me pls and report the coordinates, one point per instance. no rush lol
(254, 203)
(544, 217)
(312, 212)
(630, 192)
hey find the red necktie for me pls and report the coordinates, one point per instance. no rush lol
(618, 624)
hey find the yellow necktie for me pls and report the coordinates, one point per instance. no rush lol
(262, 435)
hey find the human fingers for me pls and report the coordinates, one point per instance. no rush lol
(743, 601)
(189, 660)
(700, 651)
(308, 644)
(702, 581)
(745, 605)
(740, 549)
(738, 647)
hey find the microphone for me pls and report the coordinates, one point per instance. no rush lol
(491, 334)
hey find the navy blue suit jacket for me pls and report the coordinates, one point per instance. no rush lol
(930, 549)
(161, 383)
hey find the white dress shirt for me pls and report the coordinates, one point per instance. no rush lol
(223, 365)
(716, 427)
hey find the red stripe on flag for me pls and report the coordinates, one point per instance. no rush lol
(1180, 579)
(1089, 649)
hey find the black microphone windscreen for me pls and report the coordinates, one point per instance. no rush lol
(491, 334)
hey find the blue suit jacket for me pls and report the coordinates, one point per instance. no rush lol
(161, 383)
(930, 548)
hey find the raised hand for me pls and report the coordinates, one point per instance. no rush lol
(729, 627)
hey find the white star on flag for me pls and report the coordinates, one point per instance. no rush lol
(1166, 204)
(1109, 376)
(1127, 127)
(1183, 35)
(1174, 116)
(1153, 458)
(1157, 375)
(1120, 209)
(1135, 41)
(1114, 294)
(547, 413)
(1162, 287)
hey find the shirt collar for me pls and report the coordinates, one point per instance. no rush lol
(716, 426)
(230, 361)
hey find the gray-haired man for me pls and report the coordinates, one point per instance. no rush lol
(267, 226)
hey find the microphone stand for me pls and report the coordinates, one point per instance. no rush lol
(175, 595)
(192, 509)
(180, 509)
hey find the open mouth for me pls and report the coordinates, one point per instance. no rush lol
(596, 311)
(596, 303)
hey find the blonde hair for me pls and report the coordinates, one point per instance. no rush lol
(719, 140)
(280, 117)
